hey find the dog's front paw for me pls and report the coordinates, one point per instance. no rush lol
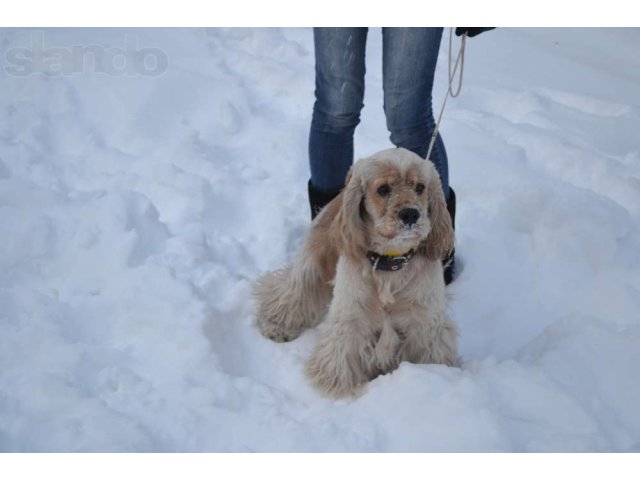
(277, 332)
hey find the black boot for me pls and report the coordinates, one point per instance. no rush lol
(319, 198)
(449, 262)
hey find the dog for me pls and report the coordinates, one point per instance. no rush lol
(372, 266)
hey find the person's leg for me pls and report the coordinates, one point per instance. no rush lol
(340, 69)
(409, 63)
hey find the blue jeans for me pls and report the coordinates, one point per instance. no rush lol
(409, 59)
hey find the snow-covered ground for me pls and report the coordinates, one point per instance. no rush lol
(137, 210)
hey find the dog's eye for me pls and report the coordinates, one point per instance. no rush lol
(420, 188)
(384, 190)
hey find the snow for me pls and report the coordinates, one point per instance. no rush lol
(136, 211)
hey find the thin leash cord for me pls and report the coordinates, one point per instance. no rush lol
(452, 73)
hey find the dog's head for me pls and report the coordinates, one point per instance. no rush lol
(393, 202)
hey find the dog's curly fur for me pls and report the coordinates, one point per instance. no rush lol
(374, 319)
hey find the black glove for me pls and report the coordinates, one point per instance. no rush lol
(472, 31)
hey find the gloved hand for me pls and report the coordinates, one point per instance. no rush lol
(472, 31)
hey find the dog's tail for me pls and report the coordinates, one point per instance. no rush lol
(291, 299)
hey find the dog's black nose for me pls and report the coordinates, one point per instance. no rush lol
(409, 215)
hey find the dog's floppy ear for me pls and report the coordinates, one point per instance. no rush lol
(440, 241)
(348, 225)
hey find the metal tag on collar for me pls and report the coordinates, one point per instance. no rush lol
(389, 263)
(399, 262)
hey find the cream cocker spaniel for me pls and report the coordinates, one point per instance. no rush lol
(371, 264)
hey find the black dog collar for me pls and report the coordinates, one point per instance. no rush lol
(389, 263)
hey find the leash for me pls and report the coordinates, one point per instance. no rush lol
(450, 92)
